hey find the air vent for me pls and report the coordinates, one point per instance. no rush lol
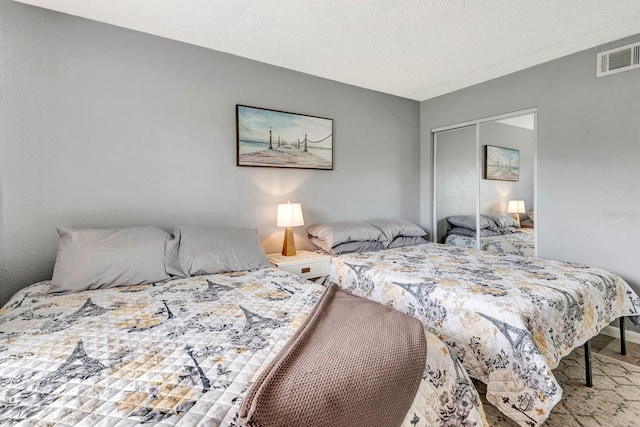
(617, 60)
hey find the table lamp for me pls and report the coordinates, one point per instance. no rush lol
(516, 207)
(289, 215)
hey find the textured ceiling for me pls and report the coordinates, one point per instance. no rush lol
(416, 49)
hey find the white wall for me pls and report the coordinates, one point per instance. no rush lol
(102, 126)
(588, 149)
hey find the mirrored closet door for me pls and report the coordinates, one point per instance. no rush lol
(484, 184)
(456, 177)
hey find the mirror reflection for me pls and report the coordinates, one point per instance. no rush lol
(456, 178)
(484, 180)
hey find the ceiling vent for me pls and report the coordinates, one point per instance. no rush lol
(617, 60)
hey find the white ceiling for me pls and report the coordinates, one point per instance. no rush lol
(416, 49)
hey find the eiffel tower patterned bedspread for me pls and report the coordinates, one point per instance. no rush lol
(182, 352)
(508, 318)
(520, 243)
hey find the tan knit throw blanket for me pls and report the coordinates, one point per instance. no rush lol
(353, 362)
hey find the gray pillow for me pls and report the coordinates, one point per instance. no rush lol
(469, 221)
(347, 247)
(406, 241)
(194, 251)
(462, 231)
(96, 259)
(530, 215)
(501, 220)
(392, 228)
(507, 230)
(341, 232)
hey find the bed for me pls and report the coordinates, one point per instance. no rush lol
(509, 319)
(498, 233)
(521, 242)
(181, 351)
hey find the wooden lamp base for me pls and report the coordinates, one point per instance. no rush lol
(289, 245)
(516, 216)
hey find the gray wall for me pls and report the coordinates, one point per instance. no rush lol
(495, 195)
(588, 149)
(102, 126)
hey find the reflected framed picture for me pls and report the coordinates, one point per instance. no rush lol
(272, 138)
(501, 163)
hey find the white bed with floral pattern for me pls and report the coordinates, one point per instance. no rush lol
(182, 352)
(508, 318)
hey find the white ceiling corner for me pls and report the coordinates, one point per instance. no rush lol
(416, 49)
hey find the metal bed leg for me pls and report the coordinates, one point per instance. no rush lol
(623, 341)
(587, 363)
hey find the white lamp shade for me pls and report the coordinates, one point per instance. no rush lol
(289, 215)
(516, 206)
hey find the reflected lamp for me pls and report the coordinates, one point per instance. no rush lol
(516, 207)
(289, 216)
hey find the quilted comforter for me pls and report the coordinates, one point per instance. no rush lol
(182, 352)
(508, 318)
(520, 243)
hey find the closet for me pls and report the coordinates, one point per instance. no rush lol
(484, 177)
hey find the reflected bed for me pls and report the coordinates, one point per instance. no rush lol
(521, 242)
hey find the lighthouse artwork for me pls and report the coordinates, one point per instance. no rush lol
(501, 163)
(285, 140)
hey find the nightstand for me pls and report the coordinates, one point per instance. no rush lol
(308, 265)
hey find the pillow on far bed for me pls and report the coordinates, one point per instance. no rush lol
(336, 233)
(393, 228)
(462, 231)
(194, 251)
(95, 259)
(347, 247)
(401, 241)
(502, 220)
(469, 221)
(507, 230)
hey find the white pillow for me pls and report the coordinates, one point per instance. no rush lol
(96, 259)
(194, 251)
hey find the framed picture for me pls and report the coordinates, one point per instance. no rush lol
(283, 140)
(501, 163)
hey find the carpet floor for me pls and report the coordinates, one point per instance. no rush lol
(613, 401)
